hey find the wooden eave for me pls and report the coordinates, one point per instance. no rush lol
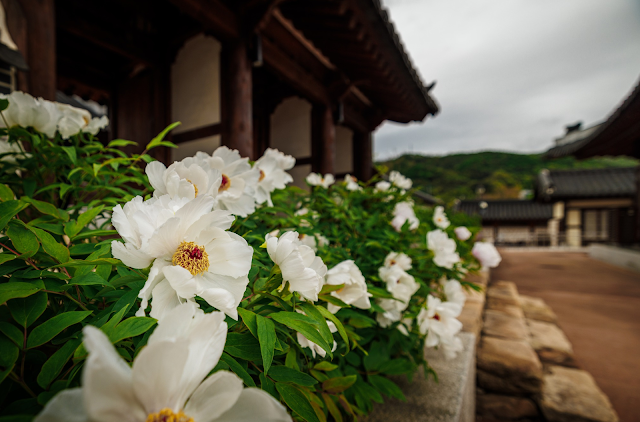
(359, 39)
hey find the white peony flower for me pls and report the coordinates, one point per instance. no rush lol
(487, 254)
(272, 166)
(315, 349)
(184, 179)
(96, 124)
(400, 284)
(73, 120)
(26, 111)
(168, 380)
(398, 258)
(315, 179)
(382, 186)
(462, 233)
(440, 218)
(444, 249)
(438, 321)
(299, 264)
(192, 252)
(453, 292)
(451, 346)
(352, 183)
(10, 148)
(402, 212)
(392, 311)
(399, 180)
(239, 181)
(314, 242)
(405, 326)
(354, 291)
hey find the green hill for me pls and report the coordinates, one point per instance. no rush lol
(502, 174)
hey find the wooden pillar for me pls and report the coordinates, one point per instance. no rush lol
(323, 139)
(637, 205)
(41, 47)
(362, 155)
(237, 98)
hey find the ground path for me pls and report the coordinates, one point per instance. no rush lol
(598, 307)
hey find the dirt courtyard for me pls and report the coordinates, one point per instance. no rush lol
(598, 307)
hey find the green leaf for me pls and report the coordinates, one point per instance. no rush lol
(73, 228)
(8, 209)
(71, 152)
(297, 401)
(386, 386)
(332, 408)
(305, 326)
(64, 188)
(93, 233)
(338, 384)
(327, 288)
(89, 279)
(13, 333)
(397, 367)
(53, 366)
(51, 247)
(267, 338)
(314, 313)
(285, 374)
(343, 333)
(4, 103)
(54, 326)
(91, 262)
(291, 361)
(120, 143)
(238, 369)
(325, 366)
(14, 289)
(333, 300)
(243, 346)
(158, 139)
(26, 311)
(131, 327)
(96, 169)
(46, 208)
(378, 355)
(6, 257)
(249, 319)
(6, 194)
(267, 385)
(23, 239)
(10, 352)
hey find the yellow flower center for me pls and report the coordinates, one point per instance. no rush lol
(194, 186)
(262, 175)
(225, 184)
(191, 257)
(167, 415)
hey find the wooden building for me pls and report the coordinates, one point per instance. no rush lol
(618, 135)
(513, 222)
(312, 78)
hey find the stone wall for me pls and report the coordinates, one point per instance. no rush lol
(526, 370)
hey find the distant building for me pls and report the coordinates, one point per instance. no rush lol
(590, 206)
(618, 135)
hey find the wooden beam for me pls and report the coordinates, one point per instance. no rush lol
(323, 139)
(237, 98)
(41, 51)
(212, 14)
(197, 133)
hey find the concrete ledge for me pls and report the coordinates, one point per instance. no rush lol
(451, 399)
(625, 258)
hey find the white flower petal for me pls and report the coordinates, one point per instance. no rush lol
(66, 406)
(216, 395)
(256, 405)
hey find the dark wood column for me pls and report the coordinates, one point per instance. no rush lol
(41, 47)
(637, 205)
(363, 155)
(323, 139)
(237, 115)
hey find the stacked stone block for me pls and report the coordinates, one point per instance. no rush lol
(526, 370)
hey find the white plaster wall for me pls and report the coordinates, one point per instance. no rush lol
(344, 150)
(189, 149)
(195, 84)
(291, 128)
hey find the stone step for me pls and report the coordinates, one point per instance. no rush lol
(503, 325)
(536, 308)
(496, 407)
(571, 395)
(550, 343)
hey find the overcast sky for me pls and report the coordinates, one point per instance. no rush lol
(512, 73)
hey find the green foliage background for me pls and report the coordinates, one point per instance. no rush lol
(502, 174)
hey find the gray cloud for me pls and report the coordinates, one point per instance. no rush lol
(512, 73)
